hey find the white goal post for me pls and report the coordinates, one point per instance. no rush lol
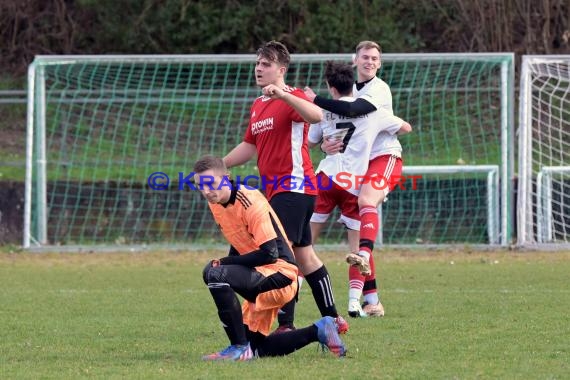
(544, 151)
(546, 219)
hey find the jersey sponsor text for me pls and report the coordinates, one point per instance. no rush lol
(262, 126)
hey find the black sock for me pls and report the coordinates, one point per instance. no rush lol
(366, 243)
(286, 315)
(229, 311)
(320, 284)
(286, 342)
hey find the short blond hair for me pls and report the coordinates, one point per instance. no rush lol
(368, 45)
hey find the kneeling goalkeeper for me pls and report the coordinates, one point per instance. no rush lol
(260, 267)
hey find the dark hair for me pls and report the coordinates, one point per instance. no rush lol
(340, 76)
(275, 51)
(210, 163)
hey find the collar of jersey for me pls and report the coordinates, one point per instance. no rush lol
(233, 195)
(359, 85)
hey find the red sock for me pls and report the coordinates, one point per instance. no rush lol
(372, 275)
(355, 279)
(369, 225)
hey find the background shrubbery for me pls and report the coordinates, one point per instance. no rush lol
(30, 27)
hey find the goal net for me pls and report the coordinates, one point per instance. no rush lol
(99, 126)
(544, 154)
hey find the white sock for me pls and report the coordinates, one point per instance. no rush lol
(352, 301)
(354, 294)
(364, 254)
(371, 298)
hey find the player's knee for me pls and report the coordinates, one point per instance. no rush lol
(205, 272)
(368, 201)
(211, 274)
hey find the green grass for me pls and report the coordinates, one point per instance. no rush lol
(450, 315)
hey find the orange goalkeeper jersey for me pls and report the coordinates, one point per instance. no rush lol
(247, 221)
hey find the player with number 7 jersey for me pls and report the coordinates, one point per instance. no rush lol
(348, 167)
(342, 175)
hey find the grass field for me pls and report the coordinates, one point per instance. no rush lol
(450, 315)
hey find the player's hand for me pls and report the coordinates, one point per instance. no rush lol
(331, 146)
(273, 91)
(215, 263)
(405, 128)
(309, 93)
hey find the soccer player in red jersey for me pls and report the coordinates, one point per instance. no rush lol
(277, 132)
(260, 267)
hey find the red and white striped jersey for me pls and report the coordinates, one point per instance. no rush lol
(279, 134)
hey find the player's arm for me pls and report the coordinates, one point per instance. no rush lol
(240, 154)
(266, 254)
(315, 136)
(308, 111)
(312, 144)
(233, 251)
(349, 109)
(393, 124)
(331, 146)
(405, 128)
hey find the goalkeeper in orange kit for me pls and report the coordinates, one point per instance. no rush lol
(260, 267)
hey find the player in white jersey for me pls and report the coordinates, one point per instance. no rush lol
(358, 135)
(378, 93)
(385, 161)
(340, 175)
